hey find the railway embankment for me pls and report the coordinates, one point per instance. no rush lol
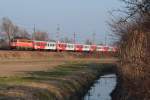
(14, 54)
(65, 82)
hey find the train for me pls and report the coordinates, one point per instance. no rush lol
(27, 44)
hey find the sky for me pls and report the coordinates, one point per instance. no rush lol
(84, 17)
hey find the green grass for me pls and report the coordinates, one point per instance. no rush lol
(58, 72)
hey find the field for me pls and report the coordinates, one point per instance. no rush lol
(21, 66)
(37, 76)
(14, 62)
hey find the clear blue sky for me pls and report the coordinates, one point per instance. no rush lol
(81, 16)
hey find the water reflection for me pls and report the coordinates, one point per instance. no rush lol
(102, 88)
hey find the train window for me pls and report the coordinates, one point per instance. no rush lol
(71, 46)
(29, 41)
(24, 40)
(18, 40)
(13, 40)
(53, 45)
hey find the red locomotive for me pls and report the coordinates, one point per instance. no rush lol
(21, 44)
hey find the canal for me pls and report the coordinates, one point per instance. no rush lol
(102, 88)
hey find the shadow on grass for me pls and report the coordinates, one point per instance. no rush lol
(59, 72)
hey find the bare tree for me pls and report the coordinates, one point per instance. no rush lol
(3, 42)
(12, 31)
(22, 33)
(9, 28)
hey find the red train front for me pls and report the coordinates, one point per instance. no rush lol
(21, 44)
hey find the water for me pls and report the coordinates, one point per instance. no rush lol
(102, 88)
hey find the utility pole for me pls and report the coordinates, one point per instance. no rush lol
(58, 32)
(105, 39)
(33, 35)
(74, 37)
(93, 35)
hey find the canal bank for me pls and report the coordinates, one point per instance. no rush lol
(70, 81)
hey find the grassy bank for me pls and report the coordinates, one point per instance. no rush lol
(65, 82)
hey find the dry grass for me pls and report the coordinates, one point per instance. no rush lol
(19, 66)
(60, 83)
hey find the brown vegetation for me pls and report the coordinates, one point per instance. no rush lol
(133, 31)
